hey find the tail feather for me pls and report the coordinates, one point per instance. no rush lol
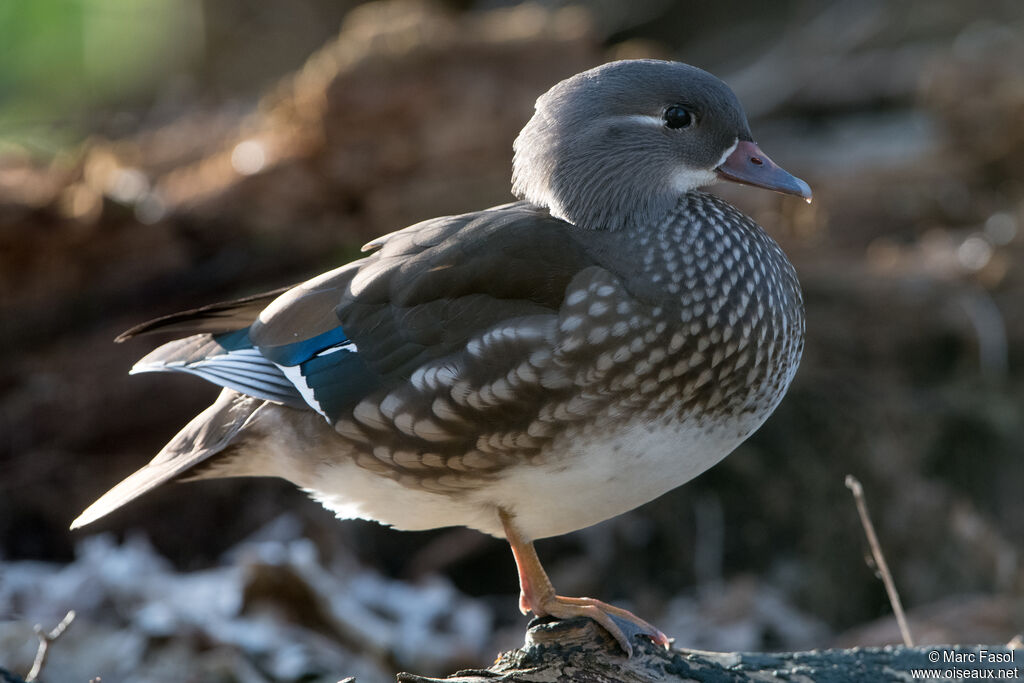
(213, 318)
(207, 434)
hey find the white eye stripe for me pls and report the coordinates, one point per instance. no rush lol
(643, 119)
(655, 121)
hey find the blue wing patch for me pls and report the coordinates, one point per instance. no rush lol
(327, 371)
(333, 380)
(297, 352)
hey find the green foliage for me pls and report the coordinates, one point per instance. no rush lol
(62, 61)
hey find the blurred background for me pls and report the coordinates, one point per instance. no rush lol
(156, 155)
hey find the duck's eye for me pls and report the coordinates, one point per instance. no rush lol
(677, 116)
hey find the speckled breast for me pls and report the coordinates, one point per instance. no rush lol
(711, 317)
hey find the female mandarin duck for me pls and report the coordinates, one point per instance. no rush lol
(529, 369)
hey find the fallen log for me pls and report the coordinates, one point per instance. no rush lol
(578, 650)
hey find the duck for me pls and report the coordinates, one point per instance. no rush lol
(529, 369)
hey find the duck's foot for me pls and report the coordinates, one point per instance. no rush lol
(537, 595)
(623, 625)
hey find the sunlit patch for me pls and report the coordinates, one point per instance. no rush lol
(249, 157)
(974, 253)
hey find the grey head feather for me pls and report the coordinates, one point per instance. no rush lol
(597, 153)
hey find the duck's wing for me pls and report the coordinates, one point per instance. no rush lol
(426, 293)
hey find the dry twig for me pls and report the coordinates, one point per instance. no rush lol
(44, 645)
(876, 552)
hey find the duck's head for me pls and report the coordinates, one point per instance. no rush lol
(616, 146)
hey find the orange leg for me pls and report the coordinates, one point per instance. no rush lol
(537, 595)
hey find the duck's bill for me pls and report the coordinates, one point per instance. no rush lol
(749, 165)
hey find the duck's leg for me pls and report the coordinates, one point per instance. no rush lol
(537, 595)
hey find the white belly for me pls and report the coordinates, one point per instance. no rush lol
(582, 482)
